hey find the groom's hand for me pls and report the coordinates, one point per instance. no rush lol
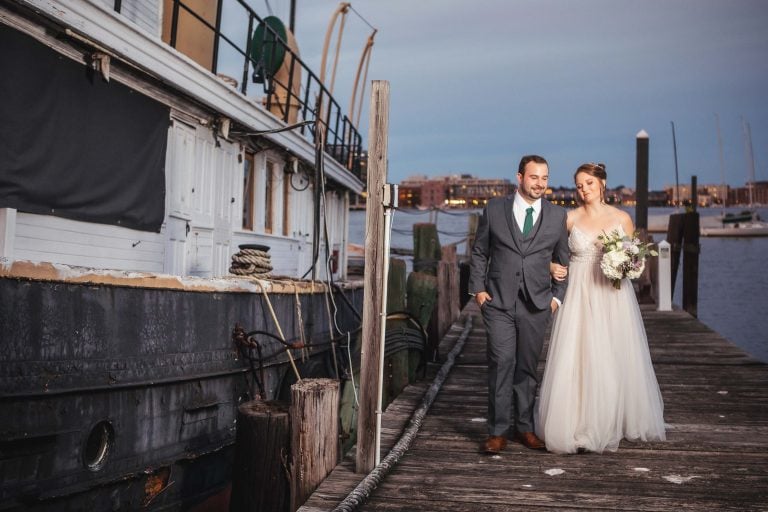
(554, 305)
(482, 297)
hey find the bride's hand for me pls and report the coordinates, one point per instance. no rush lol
(558, 271)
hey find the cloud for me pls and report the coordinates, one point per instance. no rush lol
(474, 84)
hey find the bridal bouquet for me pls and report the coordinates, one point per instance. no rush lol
(623, 256)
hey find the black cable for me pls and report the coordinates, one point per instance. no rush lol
(349, 304)
(275, 130)
(319, 175)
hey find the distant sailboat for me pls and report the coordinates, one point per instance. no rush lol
(746, 223)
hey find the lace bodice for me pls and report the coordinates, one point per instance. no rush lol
(585, 247)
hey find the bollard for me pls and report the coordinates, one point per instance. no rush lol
(664, 278)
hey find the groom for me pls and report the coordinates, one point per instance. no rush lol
(517, 237)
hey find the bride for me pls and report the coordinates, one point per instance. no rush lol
(598, 385)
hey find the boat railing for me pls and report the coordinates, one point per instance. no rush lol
(308, 100)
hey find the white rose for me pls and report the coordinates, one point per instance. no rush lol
(617, 257)
(634, 274)
(610, 264)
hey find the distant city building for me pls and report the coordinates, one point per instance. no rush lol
(713, 195)
(467, 191)
(568, 197)
(562, 196)
(707, 195)
(741, 195)
(459, 191)
(655, 198)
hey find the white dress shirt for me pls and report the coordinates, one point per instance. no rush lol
(518, 209)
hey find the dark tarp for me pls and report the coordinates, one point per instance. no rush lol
(75, 146)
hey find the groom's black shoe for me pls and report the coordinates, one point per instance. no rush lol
(529, 440)
(493, 444)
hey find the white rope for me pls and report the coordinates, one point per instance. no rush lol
(280, 332)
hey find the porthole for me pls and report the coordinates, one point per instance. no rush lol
(98, 446)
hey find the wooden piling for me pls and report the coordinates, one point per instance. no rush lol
(259, 476)
(314, 413)
(472, 223)
(675, 239)
(694, 193)
(691, 249)
(683, 235)
(644, 284)
(641, 175)
(348, 414)
(426, 248)
(372, 342)
(447, 290)
(422, 298)
(396, 365)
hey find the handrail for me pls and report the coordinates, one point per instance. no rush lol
(346, 147)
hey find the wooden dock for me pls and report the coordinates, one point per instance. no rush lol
(715, 456)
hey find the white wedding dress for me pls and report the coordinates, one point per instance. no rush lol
(599, 385)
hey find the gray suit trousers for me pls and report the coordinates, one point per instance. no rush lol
(515, 341)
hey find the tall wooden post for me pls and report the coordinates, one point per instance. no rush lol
(374, 287)
(641, 184)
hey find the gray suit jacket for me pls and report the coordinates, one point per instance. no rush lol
(503, 261)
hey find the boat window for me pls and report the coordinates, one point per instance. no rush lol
(98, 446)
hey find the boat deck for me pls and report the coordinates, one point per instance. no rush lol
(715, 456)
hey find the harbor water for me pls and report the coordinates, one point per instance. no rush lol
(733, 275)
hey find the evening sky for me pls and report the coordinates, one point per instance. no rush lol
(477, 84)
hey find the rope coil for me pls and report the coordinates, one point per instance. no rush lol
(251, 262)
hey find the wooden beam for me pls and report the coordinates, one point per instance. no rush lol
(374, 287)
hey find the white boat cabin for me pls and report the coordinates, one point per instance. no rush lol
(204, 153)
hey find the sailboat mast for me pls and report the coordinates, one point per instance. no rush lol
(750, 160)
(724, 190)
(677, 180)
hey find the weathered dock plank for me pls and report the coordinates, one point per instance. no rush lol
(715, 456)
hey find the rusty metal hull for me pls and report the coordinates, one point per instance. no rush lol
(122, 397)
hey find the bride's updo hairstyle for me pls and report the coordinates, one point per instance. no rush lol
(597, 171)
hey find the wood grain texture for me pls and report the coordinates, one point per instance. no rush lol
(314, 414)
(259, 477)
(715, 456)
(373, 277)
